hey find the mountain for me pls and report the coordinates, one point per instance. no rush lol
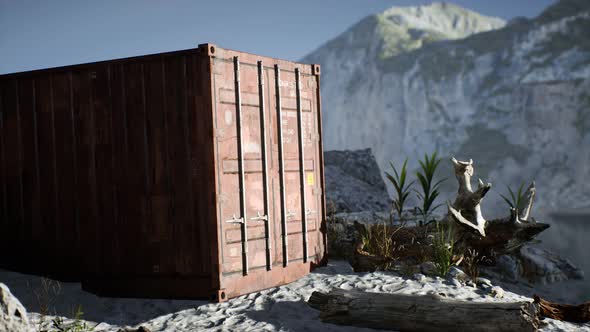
(513, 96)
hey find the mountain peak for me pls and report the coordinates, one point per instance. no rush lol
(407, 28)
(564, 8)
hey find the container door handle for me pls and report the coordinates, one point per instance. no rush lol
(260, 217)
(235, 220)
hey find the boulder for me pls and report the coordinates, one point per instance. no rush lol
(138, 329)
(497, 292)
(354, 182)
(13, 316)
(458, 274)
(428, 268)
(509, 267)
(540, 265)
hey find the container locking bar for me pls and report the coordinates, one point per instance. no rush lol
(281, 165)
(301, 138)
(264, 165)
(242, 183)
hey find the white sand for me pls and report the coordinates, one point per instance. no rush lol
(277, 309)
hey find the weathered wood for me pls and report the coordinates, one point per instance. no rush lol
(531, 190)
(466, 209)
(501, 235)
(565, 312)
(403, 312)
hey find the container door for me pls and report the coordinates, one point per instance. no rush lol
(296, 144)
(267, 149)
(244, 174)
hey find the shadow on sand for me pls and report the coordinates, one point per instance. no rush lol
(113, 311)
(295, 316)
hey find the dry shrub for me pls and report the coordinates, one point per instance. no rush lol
(379, 240)
(46, 294)
(471, 263)
(331, 210)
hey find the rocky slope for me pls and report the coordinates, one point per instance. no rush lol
(514, 97)
(354, 182)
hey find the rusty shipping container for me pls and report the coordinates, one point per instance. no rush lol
(189, 174)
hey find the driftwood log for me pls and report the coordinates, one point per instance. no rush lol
(502, 235)
(566, 312)
(402, 312)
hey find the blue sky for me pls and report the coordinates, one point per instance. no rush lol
(41, 34)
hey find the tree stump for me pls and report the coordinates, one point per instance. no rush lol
(503, 235)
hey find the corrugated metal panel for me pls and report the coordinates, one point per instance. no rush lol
(125, 173)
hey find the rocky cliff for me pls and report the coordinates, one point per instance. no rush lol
(513, 96)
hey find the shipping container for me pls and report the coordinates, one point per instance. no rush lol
(189, 174)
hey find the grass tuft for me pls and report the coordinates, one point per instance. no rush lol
(443, 247)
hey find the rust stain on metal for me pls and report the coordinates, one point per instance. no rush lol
(169, 175)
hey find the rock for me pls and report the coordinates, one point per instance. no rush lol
(456, 283)
(341, 231)
(497, 292)
(540, 265)
(484, 281)
(407, 270)
(428, 268)
(509, 267)
(354, 181)
(341, 240)
(419, 277)
(139, 329)
(456, 273)
(13, 316)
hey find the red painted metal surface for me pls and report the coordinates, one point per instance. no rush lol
(154, 176)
